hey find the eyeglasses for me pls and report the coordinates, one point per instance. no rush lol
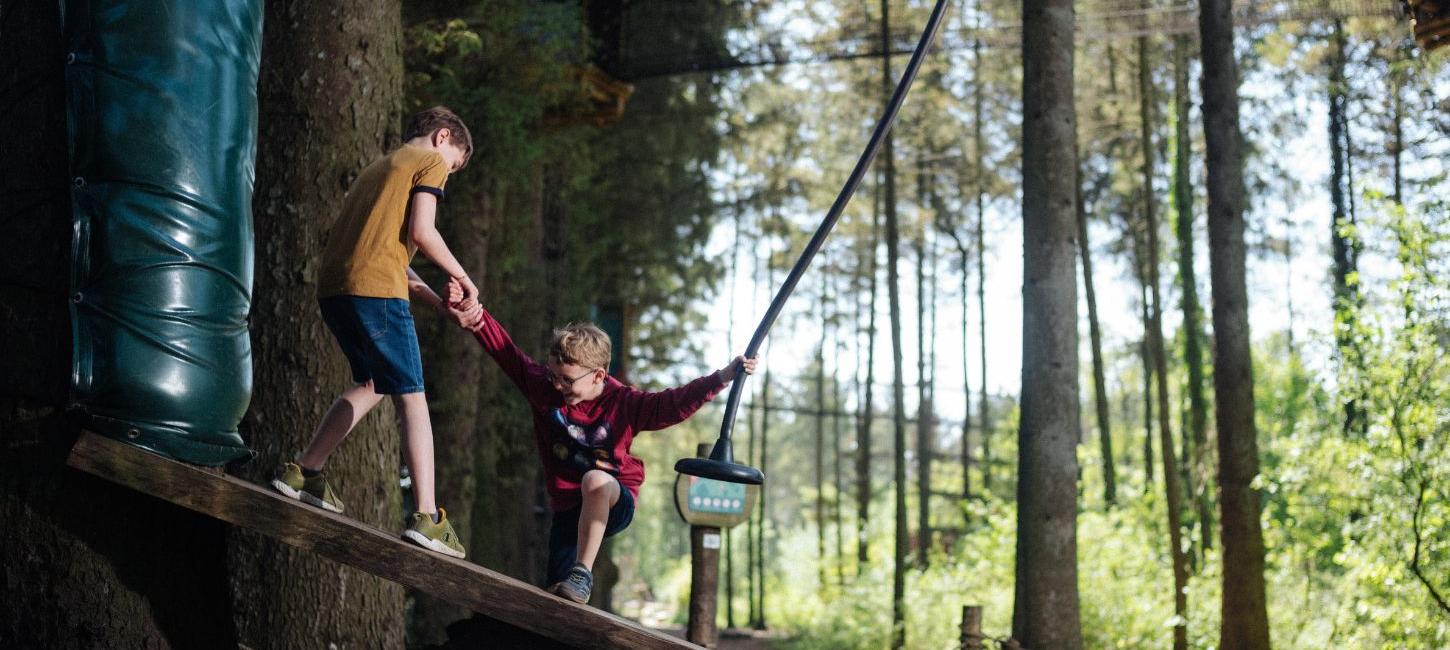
(562, 383)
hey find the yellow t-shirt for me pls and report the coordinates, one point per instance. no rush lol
(368, 250)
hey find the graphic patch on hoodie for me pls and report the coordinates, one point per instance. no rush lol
(581, 446)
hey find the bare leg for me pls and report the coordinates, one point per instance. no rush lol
(341, 417)
(600, 492)
(418, 446)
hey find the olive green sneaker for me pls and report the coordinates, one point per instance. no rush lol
(310, 490)
(437, 537)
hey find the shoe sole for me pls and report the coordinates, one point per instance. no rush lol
(558, 590)
(431, 544)
(304, 497)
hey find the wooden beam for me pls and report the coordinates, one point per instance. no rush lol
(384, 554)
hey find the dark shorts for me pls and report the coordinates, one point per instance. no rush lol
(377, 336)
(564, 533)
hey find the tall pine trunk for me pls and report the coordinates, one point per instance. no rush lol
(1045, 609)
(980, 187)
(762, 512)
(1188, 279)
(1145, 352)
(1345, 251)
(1172, 489)
(924, 447)
(312, 56)
(867, 409)
(898, 394)
(1100, 386)
(966, 374)
(820, 452)
(1245, 618)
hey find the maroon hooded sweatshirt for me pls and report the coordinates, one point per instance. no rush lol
(594, 434)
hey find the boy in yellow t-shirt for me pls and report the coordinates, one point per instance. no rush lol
(363, 287)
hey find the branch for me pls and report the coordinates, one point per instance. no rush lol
(1415, 560)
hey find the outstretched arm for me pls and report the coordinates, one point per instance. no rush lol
(517, 365)
(654, 411)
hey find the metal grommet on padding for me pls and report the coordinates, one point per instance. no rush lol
(133, 434)
(79, 182)
(70, 57)
(77, 297)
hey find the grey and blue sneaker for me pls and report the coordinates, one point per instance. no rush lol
(576, 586)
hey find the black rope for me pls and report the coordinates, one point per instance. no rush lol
(832, 216)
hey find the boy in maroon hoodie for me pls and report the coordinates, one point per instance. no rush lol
(584, 424)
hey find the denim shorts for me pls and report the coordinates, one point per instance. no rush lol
(564, 533)
(377, 336)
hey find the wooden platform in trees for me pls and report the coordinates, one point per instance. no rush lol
(381, 553)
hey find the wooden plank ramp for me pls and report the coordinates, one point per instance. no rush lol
(384, 554)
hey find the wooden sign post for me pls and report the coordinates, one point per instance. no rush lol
(708, 506)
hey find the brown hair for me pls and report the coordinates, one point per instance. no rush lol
(425, 122)
(580, 344)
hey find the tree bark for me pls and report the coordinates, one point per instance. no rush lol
(762, 513)
(1100, 386)
(984, 423)
(966, 459)
(314, 56)
(1192, 314)
(820, 453)
(1345, 253)
(1145, 351)
(893, 292)
(924, 447)
(1245, 619)
(1045, 609)
(1157, 349)
(867, 414)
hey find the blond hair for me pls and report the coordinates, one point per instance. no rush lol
(580, 344)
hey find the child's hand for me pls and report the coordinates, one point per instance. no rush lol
(458, 294)
(466, 318)
(728, 373)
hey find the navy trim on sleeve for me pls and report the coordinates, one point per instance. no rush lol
(431, 190)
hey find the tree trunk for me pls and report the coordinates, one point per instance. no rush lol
(1100, 386)
(950, 228)
(863, 426)
(836, 435)
(1144, 351)
(893, 292)
(762, 513)
(1346, 294)
(313, 55)
(820, 453)
(1045, 609)
(1157, 350)
(752, 605)
(1188, 279)
(984, 423)
(1245, 619)
(924, 447)
(100, 566)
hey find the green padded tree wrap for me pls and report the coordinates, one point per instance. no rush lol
(162, 109)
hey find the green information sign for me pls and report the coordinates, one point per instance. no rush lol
(707, 502)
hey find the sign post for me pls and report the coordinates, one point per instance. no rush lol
(708, 506)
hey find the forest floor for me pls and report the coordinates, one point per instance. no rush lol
(736, 638)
